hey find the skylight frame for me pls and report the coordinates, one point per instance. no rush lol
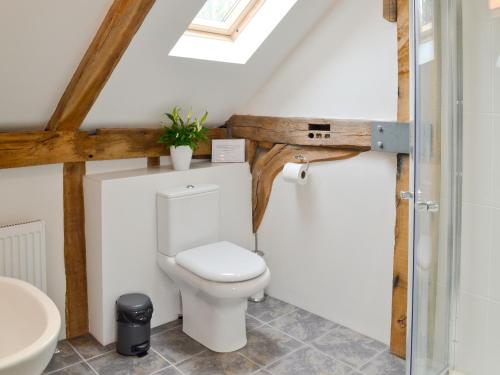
(238, 18)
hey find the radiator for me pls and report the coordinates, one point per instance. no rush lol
(22, 253)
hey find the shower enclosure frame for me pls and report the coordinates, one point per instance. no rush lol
(452, 93)
(456, 98)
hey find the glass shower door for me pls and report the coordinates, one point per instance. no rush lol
(433, 186)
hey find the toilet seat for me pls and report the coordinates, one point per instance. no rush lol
(222, 262)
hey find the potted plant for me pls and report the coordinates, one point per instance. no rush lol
(183, 136)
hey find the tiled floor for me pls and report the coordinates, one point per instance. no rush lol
(282, 340)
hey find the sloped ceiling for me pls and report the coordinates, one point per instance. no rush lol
(42, 42)
(342, 69)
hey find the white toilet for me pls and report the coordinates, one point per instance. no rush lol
(215, 277)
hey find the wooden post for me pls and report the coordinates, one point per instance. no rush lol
(153, 162)
(74, 250)
(400, 272)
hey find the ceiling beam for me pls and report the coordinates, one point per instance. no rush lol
(23, 149)
(351, 134)
(112, 39)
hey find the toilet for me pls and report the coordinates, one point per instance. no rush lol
(215, 277)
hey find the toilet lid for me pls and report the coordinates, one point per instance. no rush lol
(222, 262)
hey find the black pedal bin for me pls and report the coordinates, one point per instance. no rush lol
(133, 317)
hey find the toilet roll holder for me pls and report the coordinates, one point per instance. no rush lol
(303, 159)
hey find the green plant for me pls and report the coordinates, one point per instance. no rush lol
(186, 131)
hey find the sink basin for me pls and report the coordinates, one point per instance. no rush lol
(29, 328)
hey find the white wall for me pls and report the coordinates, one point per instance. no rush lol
(330, 243)
(478, 348)
(37, 193)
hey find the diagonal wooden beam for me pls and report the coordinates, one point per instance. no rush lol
(112, 39)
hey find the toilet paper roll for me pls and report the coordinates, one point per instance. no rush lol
(295, 173)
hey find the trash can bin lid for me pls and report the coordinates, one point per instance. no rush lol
(133, 302)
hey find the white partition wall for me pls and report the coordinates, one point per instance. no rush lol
(329, 244)
(120, 226)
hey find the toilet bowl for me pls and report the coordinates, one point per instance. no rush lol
(214, 310)
(215, 278)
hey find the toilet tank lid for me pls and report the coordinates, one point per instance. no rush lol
(189, 189)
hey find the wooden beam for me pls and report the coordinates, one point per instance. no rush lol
(270, 165)
(22, 149)
(400, 271)
(112, 39)
(153, 162)
(391, 10)
(265, 145)
(351, 134)
(74, 250)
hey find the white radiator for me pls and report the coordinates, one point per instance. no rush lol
(22, 253)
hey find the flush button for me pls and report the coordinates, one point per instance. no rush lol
(190, 187)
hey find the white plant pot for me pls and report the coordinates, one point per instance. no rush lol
(181, 157)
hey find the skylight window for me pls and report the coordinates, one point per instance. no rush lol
(230, 30)
(224, 18)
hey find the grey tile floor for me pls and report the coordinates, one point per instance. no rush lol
(282, 340)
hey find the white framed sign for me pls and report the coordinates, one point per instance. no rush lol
(228, 151)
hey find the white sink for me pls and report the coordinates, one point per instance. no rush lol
(29, 328)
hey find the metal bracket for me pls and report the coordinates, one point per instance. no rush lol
(429, 206)
(391, 137)
(406, 195)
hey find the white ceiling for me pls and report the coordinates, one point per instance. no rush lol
(343, 69)
(42, 42)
